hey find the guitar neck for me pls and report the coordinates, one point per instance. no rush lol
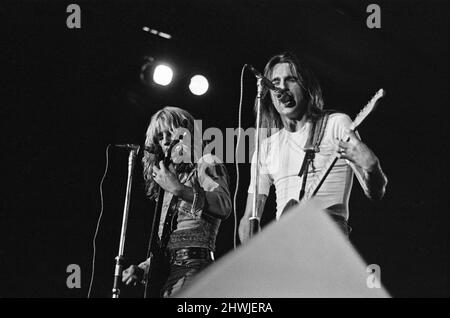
(320, 178)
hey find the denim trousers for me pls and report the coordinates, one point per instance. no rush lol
(181, 275)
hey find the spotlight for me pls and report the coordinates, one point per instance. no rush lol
(157, 33)
(198, 85)
(162, 75)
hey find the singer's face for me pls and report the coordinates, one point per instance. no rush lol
(282, 77)
(165, 137)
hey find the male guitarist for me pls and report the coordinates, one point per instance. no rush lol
(196, 199)
(306, 137)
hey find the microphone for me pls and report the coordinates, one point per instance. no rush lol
(282, 94)
(153, 149)
(128, 146)
(168, 155)
(263, 79)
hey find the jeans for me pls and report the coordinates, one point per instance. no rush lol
(181, 274)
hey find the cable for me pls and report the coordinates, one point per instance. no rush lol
(236, 156)
(98, 223)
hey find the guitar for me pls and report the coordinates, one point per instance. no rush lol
(320, 177)
(154, 252)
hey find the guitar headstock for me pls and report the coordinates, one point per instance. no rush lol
(367, 109)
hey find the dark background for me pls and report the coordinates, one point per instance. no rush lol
(68, 93)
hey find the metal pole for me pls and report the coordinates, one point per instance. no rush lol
(119, 258)
(254, 219)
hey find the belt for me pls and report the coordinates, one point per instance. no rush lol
(190, 253)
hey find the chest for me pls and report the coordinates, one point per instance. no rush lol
(285, 158)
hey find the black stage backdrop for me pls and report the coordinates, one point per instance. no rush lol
(68, 93)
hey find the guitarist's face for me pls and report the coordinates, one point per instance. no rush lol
(165, 137)
(181, 150)
(289, 105)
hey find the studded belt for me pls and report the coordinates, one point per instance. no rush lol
(190, 253)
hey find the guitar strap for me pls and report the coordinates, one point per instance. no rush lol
(311, 147)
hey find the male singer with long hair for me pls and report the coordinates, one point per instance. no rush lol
(196, 199)
(295, 114)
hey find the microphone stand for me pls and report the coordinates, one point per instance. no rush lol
(150, 254)
(155, 223)
(254, 219)
(119, 258)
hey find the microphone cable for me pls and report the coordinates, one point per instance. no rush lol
(98, 223)
(236, 155)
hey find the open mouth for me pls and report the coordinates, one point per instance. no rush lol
(289, 103)
(287, 99)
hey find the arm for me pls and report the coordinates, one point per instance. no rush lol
(211, 186)
(366, 166)
(375, 182)
(213, 181)
(244, 225)
(265, 182)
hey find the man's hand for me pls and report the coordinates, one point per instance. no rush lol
(132, 275)
(244, 225)
(357, 152)
(244, 230)
(167, 178)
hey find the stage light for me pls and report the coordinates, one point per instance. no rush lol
(198, 85)
(162, 75)
(156, 32)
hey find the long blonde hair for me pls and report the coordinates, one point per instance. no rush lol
(167, 119)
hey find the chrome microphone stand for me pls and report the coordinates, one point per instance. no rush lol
(119, 258)
(262, 82)
(254, 219)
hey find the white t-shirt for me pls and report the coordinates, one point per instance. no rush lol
(282, 155)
